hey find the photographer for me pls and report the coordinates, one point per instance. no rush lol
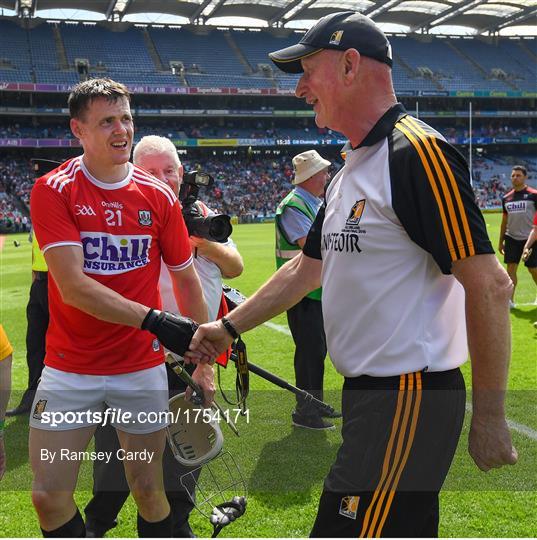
(212, 261)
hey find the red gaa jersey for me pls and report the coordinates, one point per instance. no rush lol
(124, 229)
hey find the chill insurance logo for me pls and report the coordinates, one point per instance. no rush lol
(114, 254)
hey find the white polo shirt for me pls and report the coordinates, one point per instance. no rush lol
(396, 216)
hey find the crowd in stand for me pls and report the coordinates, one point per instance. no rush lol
(492, 129)
(249, 188)
(489, 194)
(492, 178)
(266, 128)
(16, 182)
(183, 131)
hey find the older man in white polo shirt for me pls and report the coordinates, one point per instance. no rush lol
(294, 217)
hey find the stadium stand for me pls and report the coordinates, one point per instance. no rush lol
(44, 57)
(496, 64)
(251, 129)
(208, 58)
(256, 45)
(15, 185)
(208, 52)
(15, 57)
(442, 61)
(251, 187)
(122, 55)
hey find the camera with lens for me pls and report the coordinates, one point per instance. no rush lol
(216, 228)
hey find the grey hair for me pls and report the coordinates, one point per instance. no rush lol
(154, 144)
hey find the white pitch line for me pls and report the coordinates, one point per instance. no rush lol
(515, 426)
(278, 328)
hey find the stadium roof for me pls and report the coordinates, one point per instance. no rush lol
(484, 16)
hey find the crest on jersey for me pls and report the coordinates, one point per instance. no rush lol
(349, 506)
(355, 215)
(144, 218)
(39, 408)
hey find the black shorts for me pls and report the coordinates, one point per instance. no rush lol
(513, 250)
(399, 438)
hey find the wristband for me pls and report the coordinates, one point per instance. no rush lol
(232, 331)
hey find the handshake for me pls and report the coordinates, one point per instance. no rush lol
(176, 333)
(173, 331)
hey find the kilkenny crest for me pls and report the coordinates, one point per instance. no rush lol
(355, 215)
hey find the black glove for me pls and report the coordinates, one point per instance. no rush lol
(173, 331)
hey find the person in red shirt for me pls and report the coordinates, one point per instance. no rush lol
(104, 225)
(528, 246)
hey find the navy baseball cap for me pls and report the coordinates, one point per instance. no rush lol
(339, 31)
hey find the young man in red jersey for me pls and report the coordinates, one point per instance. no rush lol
(104, 225)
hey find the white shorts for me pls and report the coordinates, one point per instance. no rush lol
(133, 402)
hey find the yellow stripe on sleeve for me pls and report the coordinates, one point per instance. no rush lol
(469, 244)
(447, 230)
(439, 178)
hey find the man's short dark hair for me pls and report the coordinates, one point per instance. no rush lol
(521, 168)
(85, 92)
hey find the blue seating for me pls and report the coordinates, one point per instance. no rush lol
(451, 70)
(230, 58)
(118, 51)
(15, 75)
(255, 46)
(43, 48)
(210, 52)
(15, 45)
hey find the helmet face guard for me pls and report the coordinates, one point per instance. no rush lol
(218, 490)
(195, 436)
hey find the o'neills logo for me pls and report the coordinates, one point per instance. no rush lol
(114, 254)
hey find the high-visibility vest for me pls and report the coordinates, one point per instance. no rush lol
(285, 250)
(38, 260)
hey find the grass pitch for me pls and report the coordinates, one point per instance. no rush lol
(284, 466)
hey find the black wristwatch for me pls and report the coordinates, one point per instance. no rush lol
(232, 331)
